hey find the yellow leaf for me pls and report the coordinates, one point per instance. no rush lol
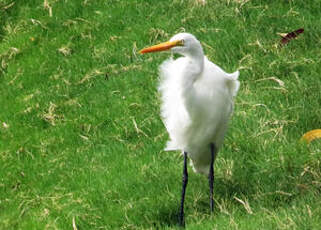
(283, 35)
(311, 135)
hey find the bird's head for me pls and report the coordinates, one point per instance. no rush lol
(182, 43)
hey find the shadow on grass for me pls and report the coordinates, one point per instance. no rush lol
(271, 189)
(168, 217)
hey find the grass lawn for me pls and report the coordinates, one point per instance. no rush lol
(81, 140)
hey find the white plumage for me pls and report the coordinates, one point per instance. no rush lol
(197, 101)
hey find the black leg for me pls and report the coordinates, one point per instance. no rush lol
(185, 180)
(211, 176)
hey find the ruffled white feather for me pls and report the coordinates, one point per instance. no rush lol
(196, 108)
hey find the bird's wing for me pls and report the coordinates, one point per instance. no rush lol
(232, 82)
(217, 74)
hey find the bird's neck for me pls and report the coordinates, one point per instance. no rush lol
(193, 70)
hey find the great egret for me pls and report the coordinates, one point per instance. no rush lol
(197, 102)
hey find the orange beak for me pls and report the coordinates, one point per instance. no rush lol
(162, 46)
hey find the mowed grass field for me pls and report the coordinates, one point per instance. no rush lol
(81, 139)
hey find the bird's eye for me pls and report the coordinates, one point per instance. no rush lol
(182, 42)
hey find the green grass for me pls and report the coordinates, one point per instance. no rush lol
(81, 137)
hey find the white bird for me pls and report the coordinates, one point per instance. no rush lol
(197, 102)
